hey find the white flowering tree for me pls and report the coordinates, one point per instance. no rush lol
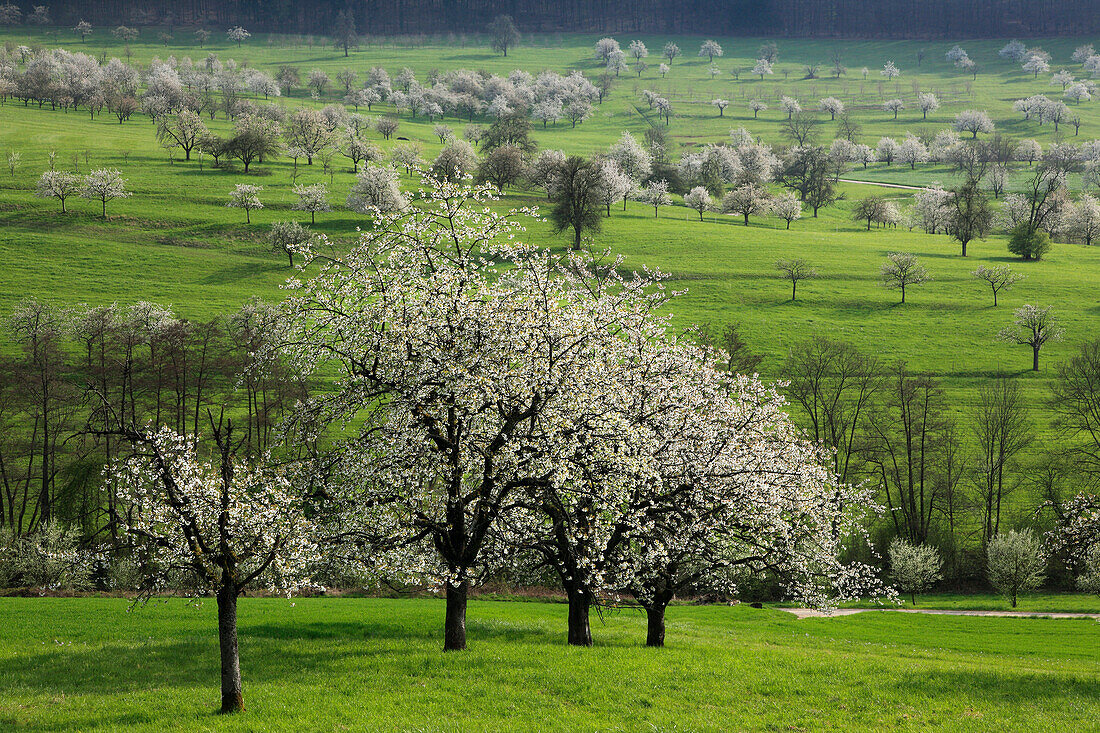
(313, 199)
(890, 70)
(928, 102)
(894, 106)
(748, 199)
(59, 185)
(762, 68)
(219, 528)
(462, 377)
(654, 193)
(238, 34)
(699, 199)
(1077, 537)
(973, 121)
(914, 568)
(710, 49)
(633, 159)
(734, 491)
(376, 189)
(790, 105)
(245, 196)
(832, 105)
(103, 185)
(614, 185)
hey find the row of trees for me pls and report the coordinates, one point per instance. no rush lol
(77, 369)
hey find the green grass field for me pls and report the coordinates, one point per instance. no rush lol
(376, 664)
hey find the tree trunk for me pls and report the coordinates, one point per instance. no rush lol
(454, 627)
(232, 697)
(1034, 358)
(580, 633)
(964, 249)
(655, 622)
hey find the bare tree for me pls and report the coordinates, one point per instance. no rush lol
(999, 278)
(1001, 429)
(908, 430)
(834, 384)
(795, 270)
(902, 270)
(503, 33)
(1076, 402)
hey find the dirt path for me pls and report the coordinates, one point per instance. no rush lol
(884, 185)
(814, 613)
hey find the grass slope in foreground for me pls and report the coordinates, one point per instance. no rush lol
(376, 664)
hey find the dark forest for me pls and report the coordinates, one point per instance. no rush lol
(785, 18)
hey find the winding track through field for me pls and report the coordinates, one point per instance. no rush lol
(883, 185)
(802, 613)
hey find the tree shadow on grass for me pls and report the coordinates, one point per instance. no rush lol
(243, 271)
(1002, 688)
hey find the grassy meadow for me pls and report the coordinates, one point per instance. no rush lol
(177, 243)
(375, 664)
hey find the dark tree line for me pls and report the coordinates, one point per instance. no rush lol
(75, 372)
(948, 475)
(788, 18)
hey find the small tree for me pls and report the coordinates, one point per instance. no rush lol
(720, 105)
(238, 34)
(1015, 563)
(787, 207)
(1028, 243)
(902, 270)
(795, 270)
(914, 568)
(503, 34)
(671, 51)
(83, 29)
(894, 106)
(202, 36)
(747, 200)
(105, 184)
(13, 161)
(1032, 327)
(655, 193)
(245, 196)
(387, 126)
(710, 49)
(59, 185)
(288, 237)
(998, 278)
(973, 121)
(869, 209)
(313, 199)
(376, 190)
(699, 199)
(576, 196)
(226, 527)
(972, 216)
(928, 102)
(832, 105)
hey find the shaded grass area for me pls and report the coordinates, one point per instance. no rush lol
(376, 664)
